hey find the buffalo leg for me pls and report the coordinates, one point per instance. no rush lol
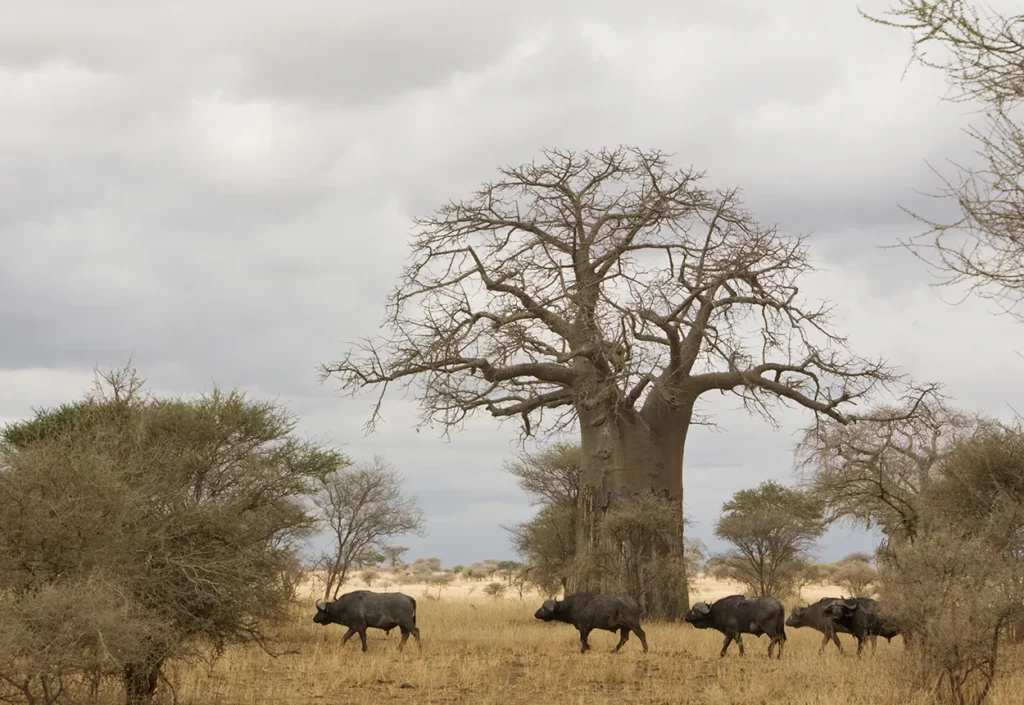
(623, 638)
(348, 635)
(362, 638)
(739, 643)
(874, 642)
(772, 641)
(416, 634)
(860, 644)
(405, 637)
(584, 646)
(641, 636)
(834, 638)
(725, 645)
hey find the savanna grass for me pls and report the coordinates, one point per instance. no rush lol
(494, 652)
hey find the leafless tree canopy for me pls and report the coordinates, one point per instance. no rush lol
(364, 507)
(874, 471)
(583, 281)
(980, 53)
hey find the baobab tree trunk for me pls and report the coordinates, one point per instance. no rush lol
(625, 459)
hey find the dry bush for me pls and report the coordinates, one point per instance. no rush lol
(632, 556)
(951, 590)
(960, 583)
(174, 519)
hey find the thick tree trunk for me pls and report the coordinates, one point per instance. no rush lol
(627, 460)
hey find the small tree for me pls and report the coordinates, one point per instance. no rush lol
(440, 582)
(550, 476)
(772, 528)
(494, 590)
(547, 542)
(394, 554)
(857, 578)
(521, 580)
(363, 506)
(369, 577)
(370, 557)
(508, 570)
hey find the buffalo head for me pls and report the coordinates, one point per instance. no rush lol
(547, 610)
(840, 610)
(796, 617)
(698, 613)
(322, 617)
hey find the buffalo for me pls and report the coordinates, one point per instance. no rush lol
(587, 612)
(814, 616)
(862, 617)
(735, 615)
(362, 609)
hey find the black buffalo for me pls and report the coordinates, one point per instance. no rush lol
(362, 609)
(587, 612)
(863, 618)
(814, 616)
(736, 615)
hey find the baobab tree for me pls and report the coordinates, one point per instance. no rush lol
(606, 291)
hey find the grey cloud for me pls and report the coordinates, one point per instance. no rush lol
(225, 192)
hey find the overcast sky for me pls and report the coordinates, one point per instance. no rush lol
(223, 192)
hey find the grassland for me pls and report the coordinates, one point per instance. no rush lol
(490, 651)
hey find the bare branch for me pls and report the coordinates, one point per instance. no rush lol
(603, 283)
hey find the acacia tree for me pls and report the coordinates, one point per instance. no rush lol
(979, 51)
(136, 530)
(609, 290)
(772, 529)
(551, 479)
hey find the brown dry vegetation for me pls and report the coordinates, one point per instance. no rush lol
(481, 650)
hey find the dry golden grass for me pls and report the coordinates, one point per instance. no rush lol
(486, 651)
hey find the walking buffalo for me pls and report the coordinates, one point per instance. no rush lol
(587, 612)
(863, 618)
(814, 616)
(362, 609)
(736, 615)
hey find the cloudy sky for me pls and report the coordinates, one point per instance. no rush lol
(223, 192)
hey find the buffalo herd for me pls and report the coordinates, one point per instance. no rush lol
(732, 616)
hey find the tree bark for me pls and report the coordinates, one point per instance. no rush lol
(624, 457)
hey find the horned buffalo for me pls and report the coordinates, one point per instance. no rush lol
(735, 615)
(814, 616)
(863, 618)
(361, 609)
(587, 612)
